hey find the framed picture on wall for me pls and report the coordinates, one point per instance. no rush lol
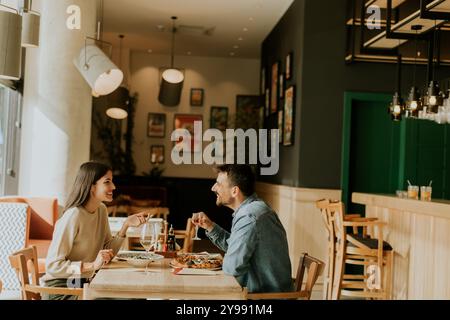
(186, 121)
(157, 154)
(219, 118)
(274, 88)
(281, 83)
(267, 102)
(156, 126)
(289, 68)
(289, 109)
(280, 124)
(263, 80)
(248, 111)
(197, 96)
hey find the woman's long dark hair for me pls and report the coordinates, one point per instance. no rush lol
(87, 176)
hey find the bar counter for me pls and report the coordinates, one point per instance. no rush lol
(419, 232)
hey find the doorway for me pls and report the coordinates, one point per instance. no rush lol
(371, 147)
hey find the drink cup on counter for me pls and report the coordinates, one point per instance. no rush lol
(425, 193)
(413, 192)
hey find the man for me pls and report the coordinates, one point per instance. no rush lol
(256, 250)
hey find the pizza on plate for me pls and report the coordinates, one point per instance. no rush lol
(197, 261)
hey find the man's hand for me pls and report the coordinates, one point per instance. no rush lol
(202, 220)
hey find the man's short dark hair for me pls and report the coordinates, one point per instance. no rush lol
(240, 175)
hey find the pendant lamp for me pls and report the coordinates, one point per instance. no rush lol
(172, 79)
(102, 75)
(119, 100)
(30, 26)
(10, 43)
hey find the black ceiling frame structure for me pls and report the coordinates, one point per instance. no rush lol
(377, 53)
(426, 13)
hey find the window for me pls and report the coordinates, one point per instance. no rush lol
(10, 115)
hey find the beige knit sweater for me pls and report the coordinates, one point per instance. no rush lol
(78, 237)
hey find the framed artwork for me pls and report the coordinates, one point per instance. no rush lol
(289, 109)
(263, 80)
(289, 69)
(280, 124)
(267, 104)
(248, 110)
(197, 96)
(157, 154)
(219, 118)
(156, 126)
(281, 83)
(186, 121)
(274, 95)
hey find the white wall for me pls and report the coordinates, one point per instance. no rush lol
(222, 80)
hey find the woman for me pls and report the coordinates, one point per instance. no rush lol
(82, 241)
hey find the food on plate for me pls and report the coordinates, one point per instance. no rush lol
(198, 261)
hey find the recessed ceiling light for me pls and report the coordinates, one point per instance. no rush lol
(240, 39)
(189, 53)
(160, 27)
(150, 51)
(235, 47)
(232, 54)
(251, 19)
(245, 29)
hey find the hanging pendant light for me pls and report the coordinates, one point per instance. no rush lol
(30, 26)
(10, 43)
(414, 103)
(172, 79)
(102, 75)
(119, 100)
(397, 107)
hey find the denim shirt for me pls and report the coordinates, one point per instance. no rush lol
(256, 250)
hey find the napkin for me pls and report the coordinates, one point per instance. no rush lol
(191, 271)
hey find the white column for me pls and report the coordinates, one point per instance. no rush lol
(57, 103)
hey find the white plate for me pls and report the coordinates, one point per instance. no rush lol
(138, 258)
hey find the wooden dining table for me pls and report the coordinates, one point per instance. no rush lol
(121, 280)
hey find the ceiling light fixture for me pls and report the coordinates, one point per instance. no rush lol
(172, 79)
(30, 25)
(10, 43)
(397, 107)
(119, 100)
(102, 75)
(414, 103)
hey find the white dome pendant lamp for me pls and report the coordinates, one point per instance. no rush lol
(172, 79)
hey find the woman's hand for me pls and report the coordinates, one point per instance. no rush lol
(103, 257)
(136, 220)
(133, 221)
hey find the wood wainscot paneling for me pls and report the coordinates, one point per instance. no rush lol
(304, 226)
(419, 232)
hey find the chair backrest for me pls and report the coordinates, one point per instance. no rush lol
(44, 214)
(313, 267)
(14, 229)
(187, 235)
(25, 262)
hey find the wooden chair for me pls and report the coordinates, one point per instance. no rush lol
(312, 266)
(186, 235)
(373, 254)
(25, 262)
(327, 218)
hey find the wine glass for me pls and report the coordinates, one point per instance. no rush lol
(149, 238)
(196, 233)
